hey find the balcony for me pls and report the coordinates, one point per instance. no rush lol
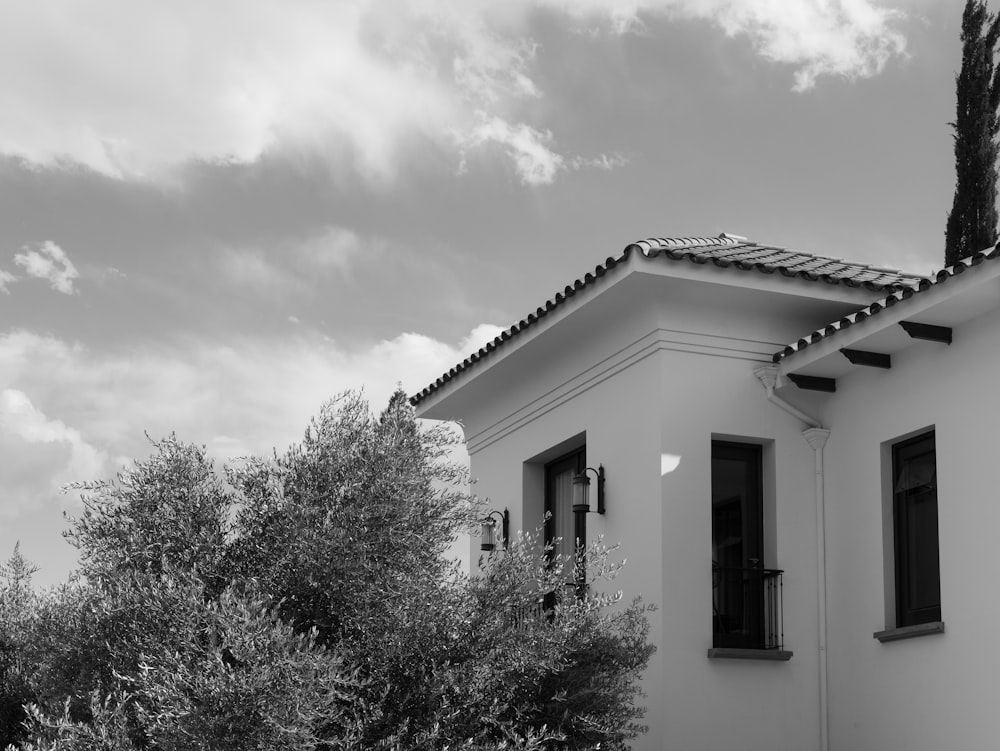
(747, 608)
(523, 616)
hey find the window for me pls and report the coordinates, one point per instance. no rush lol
(563, 528)
(559, 500)
(915, 531)
(746, 596)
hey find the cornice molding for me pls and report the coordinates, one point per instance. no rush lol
(657, 340)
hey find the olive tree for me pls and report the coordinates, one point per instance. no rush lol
(304, 601)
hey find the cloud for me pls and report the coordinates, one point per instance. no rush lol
(238, 397)
(478, 338)
(332, 250)
(48, 261)
(605, 162)
(40, 454)
(534, 162)
(5, 279)
(135, 89)
(291, 267)
(844, 38)
(129, 89)
(841, 38)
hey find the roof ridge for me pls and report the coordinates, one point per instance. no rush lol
(652, 244)
(655, 243)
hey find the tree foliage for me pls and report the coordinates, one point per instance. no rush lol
(17, 603)
(972, 222)
(304, 602)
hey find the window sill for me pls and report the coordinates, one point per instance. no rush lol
(732, 653)
(909, 632)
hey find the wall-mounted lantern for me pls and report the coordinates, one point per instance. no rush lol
(581, 507)
(581, 490)
(489, 532)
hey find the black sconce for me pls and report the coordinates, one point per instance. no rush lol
(581, 490)
(581, 507)
(489, 533)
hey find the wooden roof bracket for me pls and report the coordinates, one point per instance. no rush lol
(928, 332)
(871, 359)
(813, 383)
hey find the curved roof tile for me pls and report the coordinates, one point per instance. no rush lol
(895, 297)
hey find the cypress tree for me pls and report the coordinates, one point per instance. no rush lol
(972, 222)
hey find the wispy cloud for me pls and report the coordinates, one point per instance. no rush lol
(48, 261)
(6, 278)
(349, 81)
(601, 161)
(534, 161)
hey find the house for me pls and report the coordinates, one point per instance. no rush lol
(798, 455)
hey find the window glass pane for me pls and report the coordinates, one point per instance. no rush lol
(917, 473)
(922, 551)
(737, 592)
(563, 510)
(561, 527)
(736, 505)
(918, 577)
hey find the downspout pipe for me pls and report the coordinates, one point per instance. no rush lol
(768, 376)
(816, 436)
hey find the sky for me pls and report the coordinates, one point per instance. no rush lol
(214, 217)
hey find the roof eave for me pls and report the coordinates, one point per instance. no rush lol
(947, 302)
(430, 401)
(696, 254)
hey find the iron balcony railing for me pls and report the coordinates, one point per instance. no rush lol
(524, 614)
(747, 605)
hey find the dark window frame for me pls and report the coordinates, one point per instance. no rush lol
(738, 585)
(575, 460)
(906, 537)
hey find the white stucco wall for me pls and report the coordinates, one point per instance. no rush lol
(936, 691)
(713, 704)
(661, 370)
(649, 370)
(622, 435)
